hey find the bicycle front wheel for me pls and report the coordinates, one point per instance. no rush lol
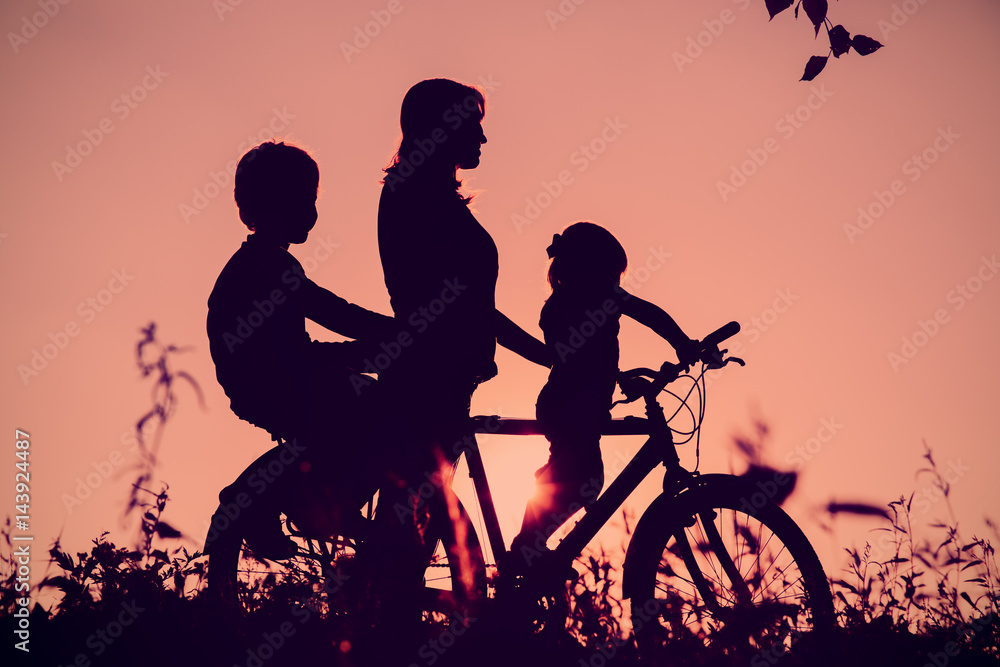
(715, 573)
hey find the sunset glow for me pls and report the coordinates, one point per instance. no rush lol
(850, 224)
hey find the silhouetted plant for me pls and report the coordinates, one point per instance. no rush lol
(154, 359)
(109, 573)
(840, 40)
(936, 588)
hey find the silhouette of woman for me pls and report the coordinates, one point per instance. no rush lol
(441, 267)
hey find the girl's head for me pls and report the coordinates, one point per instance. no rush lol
(442, 124)
(586, 255)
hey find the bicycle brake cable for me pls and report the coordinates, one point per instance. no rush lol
(684, 405)
(695, 433)
(702, 399)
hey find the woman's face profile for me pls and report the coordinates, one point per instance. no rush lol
(469, 138)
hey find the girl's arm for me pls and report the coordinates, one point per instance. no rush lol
(520, 342)
(657, 319)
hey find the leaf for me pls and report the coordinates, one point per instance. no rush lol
(865, 45)
(855, 508)
(184, 375)
(165, 530)
(779, 484)
(840, 43)
(62, 583)
(816, 11)
(748, 448)
(814, 67)
(775, 7)
(62, 559)
(841, 582)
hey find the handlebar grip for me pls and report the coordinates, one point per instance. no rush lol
(634, 383)
(721, 334)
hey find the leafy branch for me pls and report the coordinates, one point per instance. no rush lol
(840, 39)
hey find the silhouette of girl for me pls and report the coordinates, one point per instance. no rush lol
(580, 321)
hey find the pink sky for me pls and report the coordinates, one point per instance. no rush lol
(139, 226)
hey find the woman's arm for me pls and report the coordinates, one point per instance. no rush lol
(520, 342)
(657, 319)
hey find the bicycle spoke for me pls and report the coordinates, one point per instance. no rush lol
(717, 578)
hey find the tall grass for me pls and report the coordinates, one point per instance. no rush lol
(936, 585)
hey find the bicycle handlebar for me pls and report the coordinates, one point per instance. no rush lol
(640, 382)
(722, 333)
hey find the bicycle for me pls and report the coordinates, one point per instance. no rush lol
(708, 563)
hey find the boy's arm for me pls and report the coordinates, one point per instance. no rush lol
(520, 342)
(340, 316)
(657, 319)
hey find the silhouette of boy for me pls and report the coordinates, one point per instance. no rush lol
(275, 376)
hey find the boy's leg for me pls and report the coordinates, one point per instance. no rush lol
(252, 503)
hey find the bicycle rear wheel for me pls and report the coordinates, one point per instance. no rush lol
(317, 576)
(247, 585)
(715, 574)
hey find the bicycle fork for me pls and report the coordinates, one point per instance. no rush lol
(675, 480)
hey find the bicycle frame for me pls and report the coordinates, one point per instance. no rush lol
(658, 448)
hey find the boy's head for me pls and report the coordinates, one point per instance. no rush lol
(276, 187)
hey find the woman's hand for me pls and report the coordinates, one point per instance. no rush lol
(520, 342)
